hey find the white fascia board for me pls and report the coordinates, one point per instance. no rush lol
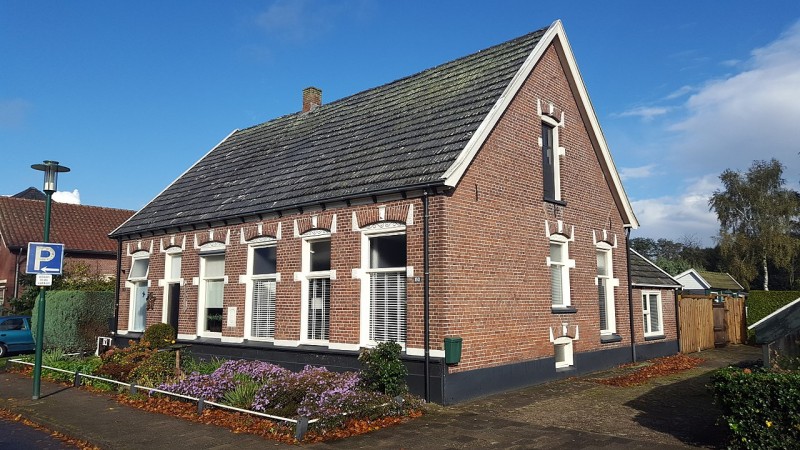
(777, 311)
(596, 133)
(175, 180)
(454, 173)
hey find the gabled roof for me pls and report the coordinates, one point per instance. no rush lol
(781, 322)
(711, 280)
(417, 132)
(31, 194)
(80, 228)
(646, 274)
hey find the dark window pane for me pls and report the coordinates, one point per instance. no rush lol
(387, 251)
(320, 255)
(264, 260)
(548, 162)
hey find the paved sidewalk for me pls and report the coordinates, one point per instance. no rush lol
(569, 414)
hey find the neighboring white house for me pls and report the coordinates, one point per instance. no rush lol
(709, 283)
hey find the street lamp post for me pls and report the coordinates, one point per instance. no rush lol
(51, 170)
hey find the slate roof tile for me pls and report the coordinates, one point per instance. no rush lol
(644, 273)
(398, 136)
(80, 228)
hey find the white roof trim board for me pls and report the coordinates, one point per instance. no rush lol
(554, 35)
(774, 313)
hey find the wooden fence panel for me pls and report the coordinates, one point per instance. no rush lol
(696, 324)
(736, 320)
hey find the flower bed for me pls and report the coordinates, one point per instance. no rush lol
(339, 404)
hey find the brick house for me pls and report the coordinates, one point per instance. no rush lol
(82, 229)
(477, 199)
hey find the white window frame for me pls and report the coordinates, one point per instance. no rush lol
(563, 352)
(250, 280)
(558, 152)
(605, 250)
(134, 284)
(201, 301)
(647, 314)
(305, 277)
(169, 259)
(377, 230)
(565, 264)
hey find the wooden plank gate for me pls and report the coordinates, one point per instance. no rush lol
(705, 324)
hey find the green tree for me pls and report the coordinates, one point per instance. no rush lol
(756, 214)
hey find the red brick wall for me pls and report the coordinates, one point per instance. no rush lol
(668, 312)
(495, 290)
(345, 290)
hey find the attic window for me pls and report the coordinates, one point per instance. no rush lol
(551, 154)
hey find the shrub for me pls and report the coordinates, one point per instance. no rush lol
(119, 363)
(56, 358)
(75, 319)
(760, 407)
(155, 369)
(382, 370)
(159, 335)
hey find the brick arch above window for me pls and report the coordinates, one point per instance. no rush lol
(556, 229)
(403, 214)
(221, 237)
(322, 222)
(261, 230)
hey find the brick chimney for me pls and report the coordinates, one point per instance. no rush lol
(312, 97)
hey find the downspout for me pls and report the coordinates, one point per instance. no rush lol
(426, 297)
(16, 274)
(115, 326)
(630, 292)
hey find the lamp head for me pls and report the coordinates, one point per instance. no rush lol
(51, 170)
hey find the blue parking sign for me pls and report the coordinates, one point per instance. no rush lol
(45, 258)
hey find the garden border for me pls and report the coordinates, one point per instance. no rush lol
(301, 424)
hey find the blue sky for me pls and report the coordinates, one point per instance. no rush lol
(129, 95)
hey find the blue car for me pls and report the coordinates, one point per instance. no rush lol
(15, 335)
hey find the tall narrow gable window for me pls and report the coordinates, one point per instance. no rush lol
(549, 162)
(551, 150)
(651, 311)
(139, 287)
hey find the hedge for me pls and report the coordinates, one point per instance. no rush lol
(761, 408)
(74, 319)
(760, 304)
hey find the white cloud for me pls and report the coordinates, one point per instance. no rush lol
(14, 112)
(73, 197)
(628, 173)
(680, 92)
(298, 20)
(686, 214)
(645, 112)
(754, 114)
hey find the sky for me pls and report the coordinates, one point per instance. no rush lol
(128, 95)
